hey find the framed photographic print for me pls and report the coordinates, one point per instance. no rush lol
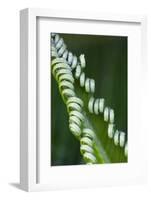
(82, 78)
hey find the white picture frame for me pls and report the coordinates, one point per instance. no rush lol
(34, 159)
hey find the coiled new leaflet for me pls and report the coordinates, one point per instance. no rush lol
(87, 146)
(76, 64)
(97, 106)
(63, 75)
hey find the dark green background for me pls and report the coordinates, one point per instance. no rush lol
(106, 62)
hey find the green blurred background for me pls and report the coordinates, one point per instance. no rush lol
(106, 62)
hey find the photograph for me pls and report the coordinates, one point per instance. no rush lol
(89, 99)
